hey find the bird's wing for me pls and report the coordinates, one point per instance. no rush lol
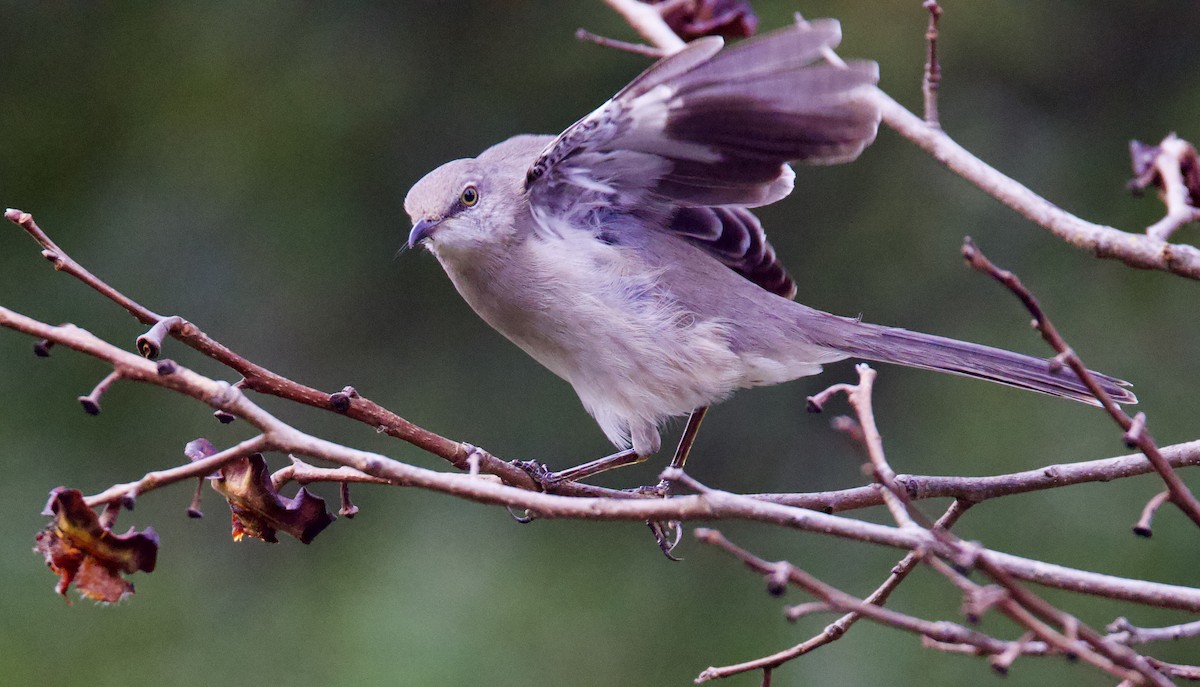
(734, 236)
(706, 132)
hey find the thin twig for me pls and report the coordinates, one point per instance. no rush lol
(1135, 433)
(648, 22)
(933, 70)
(91, 402)
(710, 505)
(1142, 527)
(835, 630)
(1125, 632)
(983, 488)
(941, 631)
(1135, 250)
(624, 46)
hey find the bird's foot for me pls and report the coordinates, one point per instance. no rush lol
(667, 535)
(539, 472)
(661, 490)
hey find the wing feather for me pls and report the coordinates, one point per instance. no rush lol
(705, 133)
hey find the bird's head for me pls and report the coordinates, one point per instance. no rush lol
(449, 205)
(473, 202)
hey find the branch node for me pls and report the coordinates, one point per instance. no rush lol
(42, 348)
(150, 344)
(777, 579)
(1133, 436)
(340, 400)
(166, 367)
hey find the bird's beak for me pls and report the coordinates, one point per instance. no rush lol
(422, 230)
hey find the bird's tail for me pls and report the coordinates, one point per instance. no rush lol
(913, 349)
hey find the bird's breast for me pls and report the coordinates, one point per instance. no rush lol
(596, 314)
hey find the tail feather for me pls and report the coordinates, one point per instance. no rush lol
(913, 349)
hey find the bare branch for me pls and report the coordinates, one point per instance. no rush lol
(711, 505)
(1135, 250)
(1135, 431)
(978, 489)
(1125, 632)
(835, 630)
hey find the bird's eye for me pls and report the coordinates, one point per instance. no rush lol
(470, 195)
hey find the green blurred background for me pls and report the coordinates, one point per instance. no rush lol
(244, 165)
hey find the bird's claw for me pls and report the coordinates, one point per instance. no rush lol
(538, 472)
(668, 535)
(523, 518)
(661, 490)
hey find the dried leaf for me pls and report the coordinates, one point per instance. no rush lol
(259, 510)
(83, 552)
(730, 18)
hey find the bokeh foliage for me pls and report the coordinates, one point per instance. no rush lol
(244, 165)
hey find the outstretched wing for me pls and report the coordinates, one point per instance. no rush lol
(706, 132)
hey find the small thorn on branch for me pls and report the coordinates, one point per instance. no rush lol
(347, 509)
(91, 402)
(193, 510)
(42, 348)
(1058, 362)
(850, 427)
(1142, 527)
(816, 403)
(224, 417)
(1003, 661)
(150, 343)
(108, 517)
(794, 613)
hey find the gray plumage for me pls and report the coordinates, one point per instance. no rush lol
(621, 255)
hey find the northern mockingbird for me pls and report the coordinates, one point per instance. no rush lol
(621, 254)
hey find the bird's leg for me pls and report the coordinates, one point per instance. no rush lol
(686, 440)
(545, 478)
(688, 437)
(667, 534)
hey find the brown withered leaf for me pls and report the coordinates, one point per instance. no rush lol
(259, 510)
(730, 18)
(83, 552)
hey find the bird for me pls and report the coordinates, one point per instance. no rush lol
(623, 255)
